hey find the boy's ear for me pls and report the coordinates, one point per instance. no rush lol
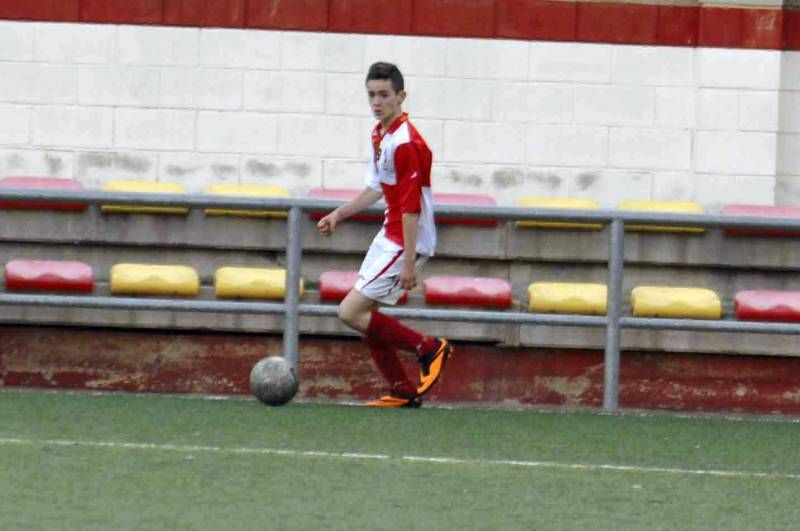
(402, 95)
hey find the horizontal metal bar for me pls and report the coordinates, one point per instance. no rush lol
(457, 211)
(758, 327)
(321, 310)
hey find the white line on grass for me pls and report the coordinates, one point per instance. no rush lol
(189, 449)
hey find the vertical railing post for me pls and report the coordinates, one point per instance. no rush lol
(291, 330)
(616, 250)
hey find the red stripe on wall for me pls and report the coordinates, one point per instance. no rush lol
(217, 13)
(599, 22)
(307, 15)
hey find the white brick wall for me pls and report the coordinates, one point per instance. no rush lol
(503, 117)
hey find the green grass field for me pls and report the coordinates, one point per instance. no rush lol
(79, 461)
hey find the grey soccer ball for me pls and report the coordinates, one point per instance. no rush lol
(273, 381)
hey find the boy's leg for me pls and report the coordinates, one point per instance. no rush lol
(355, 311)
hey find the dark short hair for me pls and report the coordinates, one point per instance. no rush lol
(381, 70)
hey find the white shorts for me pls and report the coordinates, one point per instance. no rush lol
(379, 276)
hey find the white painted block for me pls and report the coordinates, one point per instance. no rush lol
(93, 168)
(557, 61)
(299, 173)
(610, 187)
(484, 142)
(454, 99)
(76, 43)
(327, 136)
(157, 129)
(614, 105)
(196, 171)
(788, 154)
(38, 83)
(227, 48)
(433, 133)
(737, 68)
(345, 94)
(790, 70)
(673, 186)
(240, 132)
(758, 111)
(487, 59)
(461, 178)
(158, 45)
(650, 148)
(72, 126)
(789, 117)
(327, 52)
(302, 92)
(343, 173)
(730, 153)
(715, 191)
(675, 107)
(567, 145)
(208, 89)
(718, 110)
(415, 56)
(505, 183)
(653, 66)
(118, 85)
(540, 103)
(43, 162)
(16, 124)
(16, 41)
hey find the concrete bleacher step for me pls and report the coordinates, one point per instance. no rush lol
(675, 302)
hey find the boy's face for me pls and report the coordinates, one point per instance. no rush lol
(386, 104)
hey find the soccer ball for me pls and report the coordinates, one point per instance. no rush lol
(273, 381)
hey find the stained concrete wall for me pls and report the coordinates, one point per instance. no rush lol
(504, 117)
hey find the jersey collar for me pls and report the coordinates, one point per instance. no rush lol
(400, 120)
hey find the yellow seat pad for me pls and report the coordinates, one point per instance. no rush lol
(561, 203)
(247, 190)
(251, 283)
(147, 279)
(143, 187)
(677, 207)
(678, 303)
(563, 297)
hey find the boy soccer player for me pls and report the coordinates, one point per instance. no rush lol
(400, 172)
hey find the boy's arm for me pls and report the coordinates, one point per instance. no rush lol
(367, 197)
(408, 274)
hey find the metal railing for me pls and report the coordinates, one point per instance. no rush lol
(292, 309)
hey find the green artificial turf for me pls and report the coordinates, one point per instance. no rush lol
(122, 461)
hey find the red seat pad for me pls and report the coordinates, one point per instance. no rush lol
(339, 194)
(466, 200)
(49, 275)
(41, 183)
(469, 291)
(334, 285)
(763, 305)
(764, 211)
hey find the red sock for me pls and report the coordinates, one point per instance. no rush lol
(389, 331)
(389, 364)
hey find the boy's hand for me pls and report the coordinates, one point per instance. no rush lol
(327, 224)
(408, 276)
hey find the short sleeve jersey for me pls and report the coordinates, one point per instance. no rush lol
(401, 170)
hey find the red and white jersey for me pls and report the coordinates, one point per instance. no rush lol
(401, 170)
